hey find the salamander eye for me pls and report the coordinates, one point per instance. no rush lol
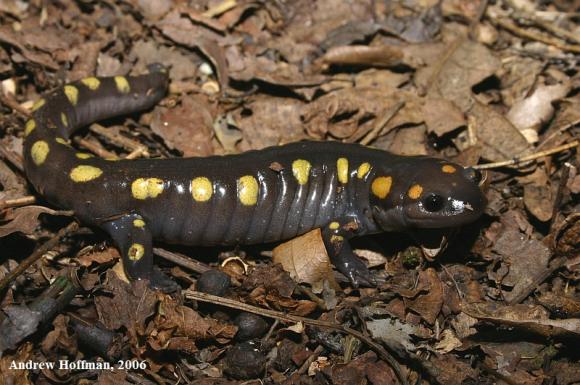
(433, 203)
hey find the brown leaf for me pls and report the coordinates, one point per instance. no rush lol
(148, 52)
(187, 128)
(352, 112)
(498, 138)
(405, 141)
(16, 377)
(59, 339)
(269, 121)
(25, 219)
(428, 305)
(113, 377)
(154, 9)
(127, 305)
(525, 259)
(532, 318)
(183, 31)
(305, 259)
(381, 79)
(538, 196)
(454, 75)
(452, 371)
(12, 186)
(442, 116)
(270, 278)
(99, 256)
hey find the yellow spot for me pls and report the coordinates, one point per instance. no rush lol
(382, 186)
(83, 155)
(363, 170)
(122, 84)
(112, 159)
(38, 104)
(39, 152)
(415, 191)
(248, 190)
(334, 225)
(201, 189)
(342, 168)
(301, 170)
(72, 94)
(92, 83)
(139, 223)
(136, 252)
(29, 127)
(62, 141)
(84, 173)
(64, 119)
(448, 169)
(336, 238)
(144, 188)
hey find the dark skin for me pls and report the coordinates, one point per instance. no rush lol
(261, 196)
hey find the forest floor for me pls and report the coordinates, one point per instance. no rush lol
(487, 84)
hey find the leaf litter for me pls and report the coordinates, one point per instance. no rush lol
(473, 82)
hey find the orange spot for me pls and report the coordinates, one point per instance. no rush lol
(448, 169)
(382, 186)
(415, 191)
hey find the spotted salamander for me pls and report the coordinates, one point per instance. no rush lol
(260, 196)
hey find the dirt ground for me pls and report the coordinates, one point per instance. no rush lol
(490, 84)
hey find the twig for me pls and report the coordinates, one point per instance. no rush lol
(533, 36)
(385, 355)
(49, 245)
(558, 132)
(181, 260)
(15, 159)
(537, 155)
(378, 127)
(18, 202)
(220, 8)
(95, 149)
(9, 101)
(118, 139)
(551, 27)
(537, 280)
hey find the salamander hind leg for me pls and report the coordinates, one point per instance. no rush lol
(336, 241)
(133, 238)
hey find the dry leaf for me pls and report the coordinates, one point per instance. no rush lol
(305, 259)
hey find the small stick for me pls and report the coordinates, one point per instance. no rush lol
(95, 149)
(181, 260)
(9, 102)
(18, 202)
(558, 132)
(533, 36)
(15, 159)
(527, 158)
(45, 248)
(378, 127)
(117, 139)
(220, 8)
(384, 354)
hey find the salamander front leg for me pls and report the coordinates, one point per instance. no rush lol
(133, 238)
(335, 239)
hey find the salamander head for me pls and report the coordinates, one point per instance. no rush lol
(429, 193)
